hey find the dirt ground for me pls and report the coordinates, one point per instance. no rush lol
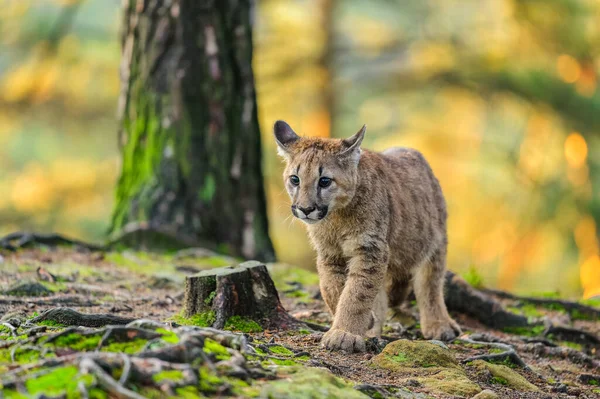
(140, 285)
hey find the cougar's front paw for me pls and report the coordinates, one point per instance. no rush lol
(445, 330)
(348, 342)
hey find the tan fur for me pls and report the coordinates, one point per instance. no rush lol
(378, 229)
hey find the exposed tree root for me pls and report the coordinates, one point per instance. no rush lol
(89, 366)
(63, 300)
(550, 303)
(141, 370)
(20, 240)
(576, 335)
(509, 353)
(461, 297)
(570, 354)
(71, 317)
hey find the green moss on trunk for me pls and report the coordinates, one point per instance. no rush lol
(189, 135)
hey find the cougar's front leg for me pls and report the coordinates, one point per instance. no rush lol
(332, 276)
(353, 316)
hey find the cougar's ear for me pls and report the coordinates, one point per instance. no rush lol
(352, 145)
(285, 137)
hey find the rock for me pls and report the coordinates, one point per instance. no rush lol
(486, 394)
(429, 364)
(504, 375)
(309, 383)
(28, 289)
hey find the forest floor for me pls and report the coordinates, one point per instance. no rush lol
(76, 323)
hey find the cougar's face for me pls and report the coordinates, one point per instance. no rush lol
(320, 175)
(317, 185)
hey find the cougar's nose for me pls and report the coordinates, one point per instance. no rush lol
(306, 211)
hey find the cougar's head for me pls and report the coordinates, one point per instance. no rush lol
(321, 175)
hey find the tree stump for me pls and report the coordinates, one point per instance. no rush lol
(245, 290)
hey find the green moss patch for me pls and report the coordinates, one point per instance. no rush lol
(216, 349)
(171, 375)
(280, 350)
(205, 319)
(129, 347)
(51, 323)
(300, 383)
(530, 331)
(242, 324)
(504, 375)
(168, 336)
(62, 380)
(433, 366)
(78, 342)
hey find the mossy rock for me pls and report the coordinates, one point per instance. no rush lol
(300, 383)
(431, 364)
(505, 376)
(403, 354)
(486, 394)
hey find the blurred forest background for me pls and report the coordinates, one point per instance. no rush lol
(501, 96)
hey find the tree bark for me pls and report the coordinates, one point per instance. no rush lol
(189, 135)
(245, 290)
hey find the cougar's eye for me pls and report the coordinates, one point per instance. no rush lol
(295, 180)
(324, 182)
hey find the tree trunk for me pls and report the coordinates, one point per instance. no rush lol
(189, 135)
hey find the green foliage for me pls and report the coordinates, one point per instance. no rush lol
(242, 324)
(473, 277)
(593, 302)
